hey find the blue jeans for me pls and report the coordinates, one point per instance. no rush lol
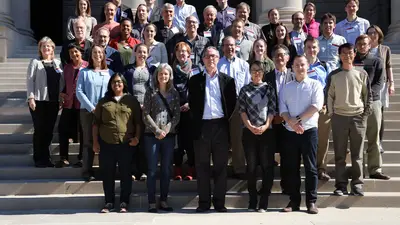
(165, 147)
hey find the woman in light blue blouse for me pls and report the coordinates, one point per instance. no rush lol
(90, 88)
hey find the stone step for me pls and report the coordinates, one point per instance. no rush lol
(32, 173)
(67, 187)
(20, 60)
(11, 64)
(4, 70)
(26, 148)
(189, 201)
(15, 160)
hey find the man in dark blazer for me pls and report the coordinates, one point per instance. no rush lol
(277, 79)
(210, 28)
(212, 99)
(122, 11)
(80, 40)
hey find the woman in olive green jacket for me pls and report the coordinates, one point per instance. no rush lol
(116, 133)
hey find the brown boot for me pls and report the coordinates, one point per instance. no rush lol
(190, 174)
(177, 173)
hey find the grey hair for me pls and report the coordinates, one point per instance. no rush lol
(243, 5)
(210, 48)
(45, 40)
(210, 7)
(102, 29)
(280, 46)
(79, 20)
(187, 18)
(168, 6)
(160, 67)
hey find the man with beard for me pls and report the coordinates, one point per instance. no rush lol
(80, 40)
(297, 35)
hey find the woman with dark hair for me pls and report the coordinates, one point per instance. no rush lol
(161, 113)
(183, 69)
(157, 50)
(139, 78)
(281, 36)
(259, 53)
(383, 52)
(257, 107)
(141, 20)
(116, 132)
(44, 82)
(82, 10)
(311, 27)
(90, 88)
(69, 125)
(125, 43)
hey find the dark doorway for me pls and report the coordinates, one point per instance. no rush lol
(46, 19)
(201, 4)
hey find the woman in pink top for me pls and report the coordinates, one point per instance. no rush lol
(311, 27)
(69, 120)
(110, 24)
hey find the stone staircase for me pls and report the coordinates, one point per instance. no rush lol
(24, 187)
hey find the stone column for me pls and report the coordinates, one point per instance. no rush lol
(286, 9)
(393, 35)
(22, 23)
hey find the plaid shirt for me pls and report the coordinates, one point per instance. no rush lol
(257, 101)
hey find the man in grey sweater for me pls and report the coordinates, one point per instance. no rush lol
(348, 102)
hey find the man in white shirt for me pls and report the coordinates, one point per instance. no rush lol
(238, 69)
(299, 103)
(182, 11)
(353, 26)
(212, 102)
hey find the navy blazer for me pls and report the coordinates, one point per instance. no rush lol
(114, 61)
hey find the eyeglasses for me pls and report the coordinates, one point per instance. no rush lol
(301, 19)
(210, 56)
(256, 71)
(117, 82)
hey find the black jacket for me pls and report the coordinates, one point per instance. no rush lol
(216, 30)
(374, 68)
(64, 54)
(124, 9)
(270, 78)
(197, 94)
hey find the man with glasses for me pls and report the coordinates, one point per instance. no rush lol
(348, 102)
(277, 79)
(297, 35)
(113, 57)
(196, 42)
(238, 69)
(182, 12)
(212, 102)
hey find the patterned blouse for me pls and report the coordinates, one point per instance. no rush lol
(155, 114)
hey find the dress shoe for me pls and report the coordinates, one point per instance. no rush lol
(291, 207)
(379, 176)
(312, 209)
(62, 163)
(165, 207)
(202, 210)
(323, 176)
(221, 209)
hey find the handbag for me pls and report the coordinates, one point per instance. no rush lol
(165, 104)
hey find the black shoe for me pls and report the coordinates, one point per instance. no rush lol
(62, 163)
(123, 207)
(202, 210)
(323, 176)
(165, 207)
(78, 164)
(89, 178)
(252, 207)
(109, 207)
(379, 176)
(221, 209)
(152, 208)
(340, 192)
(355, 191)
(291, 207)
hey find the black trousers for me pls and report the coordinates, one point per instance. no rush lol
(110, 156)
(213, 141)
(86, 119)
(278, 139)
(300, 146)
(44, 118)
(258, 151)
(185, 141)
(139, 160)
(69, 126)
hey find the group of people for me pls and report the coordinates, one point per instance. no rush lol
(159, 77)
